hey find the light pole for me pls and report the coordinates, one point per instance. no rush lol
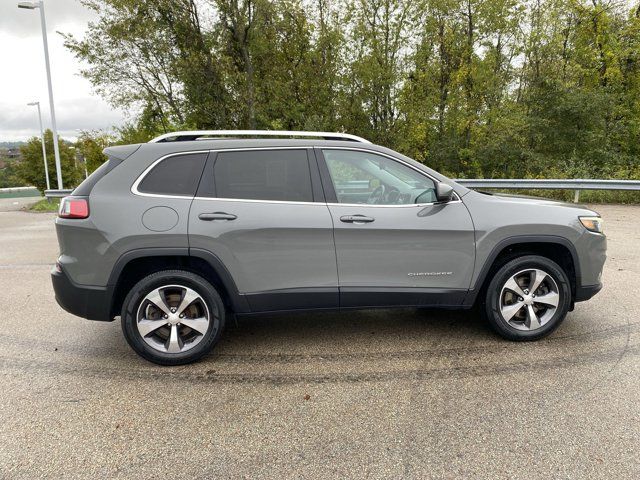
(33, 6)
(44, 150)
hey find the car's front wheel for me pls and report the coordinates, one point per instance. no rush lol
(172, 317)
(528, 298)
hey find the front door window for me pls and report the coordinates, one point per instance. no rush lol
(367, 178)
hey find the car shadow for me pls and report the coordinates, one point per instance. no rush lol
(350, 330)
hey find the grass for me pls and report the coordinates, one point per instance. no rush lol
(45, 205)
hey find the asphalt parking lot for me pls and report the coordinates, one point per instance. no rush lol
(379, 394)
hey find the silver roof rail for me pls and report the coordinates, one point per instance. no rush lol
(204, 134)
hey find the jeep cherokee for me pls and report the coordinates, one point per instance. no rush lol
(175, 235)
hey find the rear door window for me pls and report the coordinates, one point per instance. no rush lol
(280, 175)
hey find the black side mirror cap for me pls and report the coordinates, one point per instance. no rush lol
(444, 192)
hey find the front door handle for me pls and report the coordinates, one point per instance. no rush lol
(356, 219)
(208, 217)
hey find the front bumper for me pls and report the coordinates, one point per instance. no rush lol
(92, 303)
(585, 292)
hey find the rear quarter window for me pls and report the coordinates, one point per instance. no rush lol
(175, 175)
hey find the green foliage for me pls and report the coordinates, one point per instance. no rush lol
(45, 205)
(90, 144)
(141, 131)
(8, 177)
(30, 171)
(492, 88)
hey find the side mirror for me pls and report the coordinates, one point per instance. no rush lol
(444, 192)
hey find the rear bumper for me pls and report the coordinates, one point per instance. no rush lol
(587, 291)
(92, 303)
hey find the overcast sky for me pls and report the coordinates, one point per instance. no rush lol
(23, 76)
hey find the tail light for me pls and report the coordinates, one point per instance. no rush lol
(74, 207)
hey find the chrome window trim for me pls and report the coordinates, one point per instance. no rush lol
(250, 200)
(404, 205)
(145, 172)
(247, 200)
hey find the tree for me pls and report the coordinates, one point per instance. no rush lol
(31, 169)
(8, 176)
(154, 56)
(379, 46)
(492, 88)
(90, 145)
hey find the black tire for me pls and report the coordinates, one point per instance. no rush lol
(507, 271)
(207, 292)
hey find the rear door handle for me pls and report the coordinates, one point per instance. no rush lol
(208, 217)
(356, 219)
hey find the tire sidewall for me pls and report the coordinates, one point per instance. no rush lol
(492, 306)
(173, 277)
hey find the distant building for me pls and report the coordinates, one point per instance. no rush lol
(10, 152)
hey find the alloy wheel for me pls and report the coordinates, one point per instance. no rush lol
(173, 318)
(529, 299)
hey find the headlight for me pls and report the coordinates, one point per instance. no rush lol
(593, 224)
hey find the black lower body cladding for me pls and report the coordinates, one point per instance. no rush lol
(585, 292)
(92, 303)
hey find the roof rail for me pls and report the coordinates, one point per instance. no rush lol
(204, 134)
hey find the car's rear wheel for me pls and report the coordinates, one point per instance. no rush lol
(173, 317)
(528, 298)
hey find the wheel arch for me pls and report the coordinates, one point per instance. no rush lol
(134, 265)
(558, 249)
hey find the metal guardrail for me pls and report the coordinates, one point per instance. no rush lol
(501, 183)
(57, 193)
(551, 184)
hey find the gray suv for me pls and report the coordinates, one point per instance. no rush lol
(177, 234)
